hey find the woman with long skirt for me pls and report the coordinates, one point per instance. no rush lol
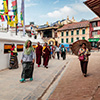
(13, 58)
(84, 57)
(28, 59)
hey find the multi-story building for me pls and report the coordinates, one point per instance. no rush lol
(70, 33)
(94, 36)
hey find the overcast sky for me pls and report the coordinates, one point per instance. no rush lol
(41, 11)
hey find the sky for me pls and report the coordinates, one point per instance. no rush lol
(41, 11)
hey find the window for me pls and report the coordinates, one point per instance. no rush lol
(19, 47)
(66, 40)
(77, 32)
(72, 40)
(94, 24)
(83, 38)
(62, 33)
(83, 31)
(66, 33)
(7, 48)
(77, 38)
(94, 33)
(72, 32)
(62, 40)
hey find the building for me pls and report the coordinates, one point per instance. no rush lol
(70, 33)
(94, 36)
(50, 31)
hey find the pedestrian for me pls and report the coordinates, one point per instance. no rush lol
(46, 55)
(63, 52)
(84, 57)
(13, 58)
(28, 59)
(38, 54)
(57, 51)
(52, 48)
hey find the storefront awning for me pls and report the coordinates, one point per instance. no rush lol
(94, 5)
(94, 40)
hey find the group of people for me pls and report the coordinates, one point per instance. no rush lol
(45, 52)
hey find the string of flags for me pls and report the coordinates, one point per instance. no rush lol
(12, 20)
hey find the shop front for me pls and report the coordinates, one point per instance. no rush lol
(94, 41)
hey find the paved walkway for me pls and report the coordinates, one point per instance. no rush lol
(12, 89)
(73, 86)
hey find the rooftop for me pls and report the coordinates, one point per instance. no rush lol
(76, 25)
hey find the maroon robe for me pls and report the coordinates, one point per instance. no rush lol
(38, 54)
(46, 56)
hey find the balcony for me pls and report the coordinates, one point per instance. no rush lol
(96, 28)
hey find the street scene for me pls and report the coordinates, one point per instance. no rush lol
(49, 50)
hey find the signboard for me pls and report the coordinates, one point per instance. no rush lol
(96, 28)
(94, 40)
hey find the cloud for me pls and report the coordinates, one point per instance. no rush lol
(62, 12)
(57, 1)
(31, 4)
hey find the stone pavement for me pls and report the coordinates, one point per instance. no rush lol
(73, 86)
(12, 89)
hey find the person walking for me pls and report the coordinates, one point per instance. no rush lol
(84, 57)
(28, 59)
(58, 51)
(63, 52)
(38, 54)
(46, 55)
(13, 58)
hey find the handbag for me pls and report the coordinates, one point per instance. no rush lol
(81, 57)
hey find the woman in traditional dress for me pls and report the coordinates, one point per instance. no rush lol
(84, 57)
(13, 58)
(46, 55)
(28, 59)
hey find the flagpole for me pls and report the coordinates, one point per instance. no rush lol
(16, 16)
(8, 15)
(23, 19)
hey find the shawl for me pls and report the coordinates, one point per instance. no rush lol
(29, 50)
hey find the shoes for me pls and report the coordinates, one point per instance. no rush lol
(45, 66)
(31, 79)
(85, 75)
(38, 65)
(22, 80)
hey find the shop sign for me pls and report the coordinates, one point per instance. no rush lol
(94, 40)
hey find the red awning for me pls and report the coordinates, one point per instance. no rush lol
(94, 5)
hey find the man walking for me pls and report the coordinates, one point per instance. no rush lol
(38, 54)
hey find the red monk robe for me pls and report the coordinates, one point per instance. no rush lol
(46, 56)
(38, 55)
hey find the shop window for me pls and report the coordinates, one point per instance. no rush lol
(7, 48)
(66, 33)
(72, 40)
(66, 40)
(72, 32)
(62, 33)
(83, 31)
(19, 47)
(77, 32)
(62, 40)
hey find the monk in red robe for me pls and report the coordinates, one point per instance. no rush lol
(38, 54)
(46, 55)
